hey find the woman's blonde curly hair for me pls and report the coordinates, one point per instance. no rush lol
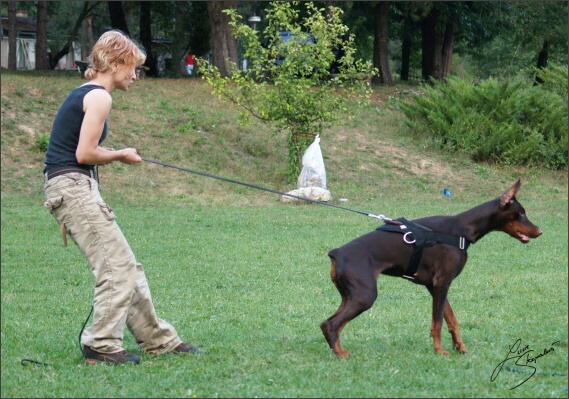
(114, 46)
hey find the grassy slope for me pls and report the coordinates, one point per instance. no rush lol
(255, 283)
(177, 121)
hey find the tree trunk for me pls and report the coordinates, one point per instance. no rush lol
(406, 45)
(12, 39)
(223, 42)
(178, 46)
(146, 37)
(328, 5)
(73, 35)
(118, 20)
(431, 43)
(543, 55)
(427, 31)
(381, 53)
(200, 39)
(42, 58)
(448, 46)
(542, 59)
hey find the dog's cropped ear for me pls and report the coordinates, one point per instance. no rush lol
(509, 194)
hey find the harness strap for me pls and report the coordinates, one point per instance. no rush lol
(421, 237)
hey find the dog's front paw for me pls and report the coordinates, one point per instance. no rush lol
(460, 348)
(441, 351)
(342, 354)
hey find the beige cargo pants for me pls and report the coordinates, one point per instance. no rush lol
(122, 296)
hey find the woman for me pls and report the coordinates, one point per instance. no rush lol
(122, 297)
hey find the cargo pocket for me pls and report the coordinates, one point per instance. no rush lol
(53, 203)
(107, 211)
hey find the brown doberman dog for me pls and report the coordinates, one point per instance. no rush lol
(430, 251)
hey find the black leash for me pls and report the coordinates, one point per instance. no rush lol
(24, 362)
(382, 217)
(83, 328)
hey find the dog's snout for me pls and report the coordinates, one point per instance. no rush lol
(533, 230)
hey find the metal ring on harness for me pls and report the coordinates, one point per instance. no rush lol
(406, 240)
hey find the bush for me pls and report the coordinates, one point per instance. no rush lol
(42, 141)
(298, 93)
(512, 122)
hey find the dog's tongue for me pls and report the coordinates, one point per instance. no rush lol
(523, 238)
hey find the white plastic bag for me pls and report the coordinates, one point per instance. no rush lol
(313, 173)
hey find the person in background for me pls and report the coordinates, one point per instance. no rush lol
(190, 59)
(122, 296)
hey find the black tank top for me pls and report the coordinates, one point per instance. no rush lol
(65, 131)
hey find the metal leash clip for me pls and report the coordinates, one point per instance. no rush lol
(380, 217)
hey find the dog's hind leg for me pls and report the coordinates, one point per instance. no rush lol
(357, 297)
(452, 324)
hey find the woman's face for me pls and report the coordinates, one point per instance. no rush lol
(124, 76)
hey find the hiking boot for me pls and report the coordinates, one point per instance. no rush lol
(93, 357)
(185, 348)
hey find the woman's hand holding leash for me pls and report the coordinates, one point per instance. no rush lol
(130, 156)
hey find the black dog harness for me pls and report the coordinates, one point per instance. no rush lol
(421, 236)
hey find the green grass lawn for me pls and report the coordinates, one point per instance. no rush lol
(249, 286)
(246, 278)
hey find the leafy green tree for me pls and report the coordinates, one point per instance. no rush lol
(191, 31)
(288, 84)
(73, 34)
(512, 37)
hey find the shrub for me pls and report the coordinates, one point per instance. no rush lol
(42, 141)
(297, 94)
(512, 122)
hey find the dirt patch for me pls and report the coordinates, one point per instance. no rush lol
(30, 131)
(403, 159)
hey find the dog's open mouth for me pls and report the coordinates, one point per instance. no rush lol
(522, 237)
